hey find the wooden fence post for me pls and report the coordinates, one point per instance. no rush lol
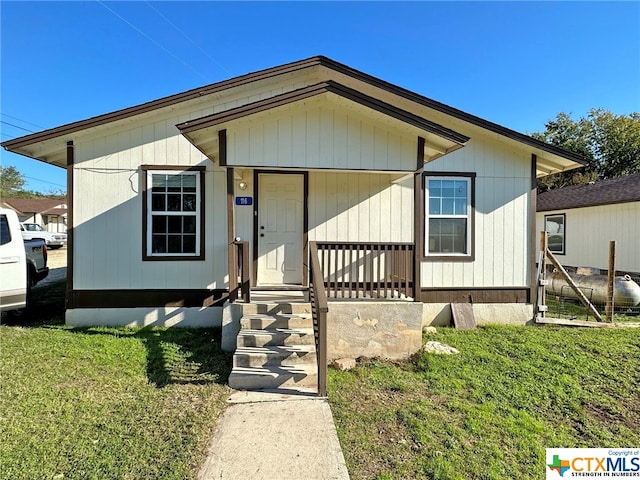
(611, 277)
(541, 303)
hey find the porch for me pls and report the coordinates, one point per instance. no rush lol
(345, 271)
(359, 301)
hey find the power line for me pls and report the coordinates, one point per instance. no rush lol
(204, 52)
(152, 40)
(20, 120)
(45, 181)
(17, 126)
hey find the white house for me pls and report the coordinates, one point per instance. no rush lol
(582, 219)
(49, 213)
(313, 150)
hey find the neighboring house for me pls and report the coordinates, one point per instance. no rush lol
(49, 213)
(581, 220)
(313, 150)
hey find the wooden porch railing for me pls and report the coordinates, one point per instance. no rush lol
(239, 279)
(368, 270)
(319, 309)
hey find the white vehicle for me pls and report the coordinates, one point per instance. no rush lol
(23, 263)
(33, 230)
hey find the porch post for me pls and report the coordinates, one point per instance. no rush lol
(69, 290)
(232, 252)
(418, 220)
(533, 235)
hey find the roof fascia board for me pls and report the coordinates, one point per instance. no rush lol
(590, 205)
(451, 111)
(159, 103)
(318, 89)
(275, 71)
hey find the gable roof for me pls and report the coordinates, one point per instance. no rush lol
(19, 145)
(35, 205)
(200, 131)
(604, 192)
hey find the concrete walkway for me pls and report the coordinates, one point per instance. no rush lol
(272, 436)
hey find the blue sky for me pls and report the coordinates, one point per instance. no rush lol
(514, 63)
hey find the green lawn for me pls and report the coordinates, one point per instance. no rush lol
(104, 403)
(490, 411)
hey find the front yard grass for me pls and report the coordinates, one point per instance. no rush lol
(490, 411)
(101, 403)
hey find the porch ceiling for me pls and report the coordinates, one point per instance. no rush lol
(439, 140)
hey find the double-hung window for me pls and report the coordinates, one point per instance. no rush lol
(448, 226)
(174, 216)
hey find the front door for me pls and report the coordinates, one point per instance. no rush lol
(280, 228)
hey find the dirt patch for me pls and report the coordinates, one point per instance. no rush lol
(57, 258)
(606, 416)
(57, 263)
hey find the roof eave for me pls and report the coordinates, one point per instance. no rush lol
(17, 145)
(195, 130)
(454, 112)
(170, 100)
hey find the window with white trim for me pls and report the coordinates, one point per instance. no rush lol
(554, 226)
(448, 209)
(173, 213)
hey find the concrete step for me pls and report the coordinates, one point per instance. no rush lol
(261, 321)
(275, 355)
(276, 337)
(276, 308)
(271, 377)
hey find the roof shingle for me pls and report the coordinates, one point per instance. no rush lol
(33, 205)
(605, 192)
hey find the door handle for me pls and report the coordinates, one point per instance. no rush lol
(262, 234)
(5, 260)
(261, 227)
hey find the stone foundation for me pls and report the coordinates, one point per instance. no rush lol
(374, 329)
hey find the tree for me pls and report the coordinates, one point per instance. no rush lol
(609, 143)
(11, 181)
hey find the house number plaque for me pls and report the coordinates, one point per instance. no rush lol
(243, 201)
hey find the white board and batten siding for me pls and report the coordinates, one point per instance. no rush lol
(108, 237)
(502, 206)
(320, 136)
(588, 231)
(346, 207)
(360, 207)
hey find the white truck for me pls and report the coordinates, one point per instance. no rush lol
(33, 230)
(23, 263)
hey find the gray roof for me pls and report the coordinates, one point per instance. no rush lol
(603, 192)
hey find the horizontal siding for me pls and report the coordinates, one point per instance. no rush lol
(320, 135)
(600, 225)
(501, 219)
